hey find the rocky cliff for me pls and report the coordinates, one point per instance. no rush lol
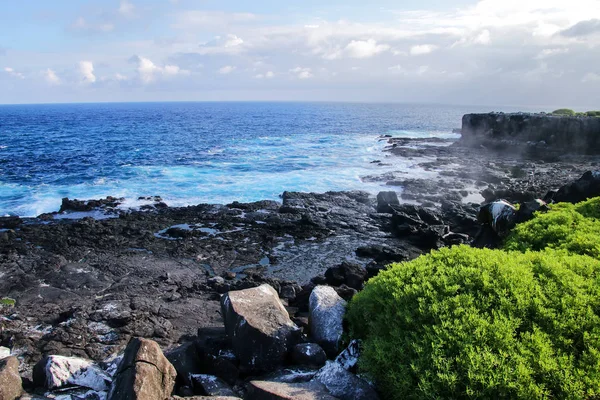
(561, 133)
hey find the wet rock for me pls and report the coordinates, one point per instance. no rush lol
(310, 354)
(345, 292)
(10, 222)
(527, 209)
(500, 215)
(382, 253)
(259, 327)
(88, 205)
(349, 357)
(586, 187)
(210, 385)
(326, 310)
(385, 200)
(186, 361)
(351, 274)
(265, 390)
(344, 384)
(53, 372)
(143, 374)
(10, 380)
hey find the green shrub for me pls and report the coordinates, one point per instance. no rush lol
(571, 227)
(7, 301)
(564, 111)
(593, 113)
(481, 324)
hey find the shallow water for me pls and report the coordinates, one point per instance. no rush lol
(192, 153)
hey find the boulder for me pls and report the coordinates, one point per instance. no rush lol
(143, 374)
(528, 208)
(259, 327)
(4, 352)
(265, 390)
(353, 275)
(349, 357)
(385, 199)
(500, 215)
(210, 385)
(53, 372)
(309, 354)
(204, 398)
(11, 385)
(186, 361)
(326, 315)
(586, 187)
(344, 384)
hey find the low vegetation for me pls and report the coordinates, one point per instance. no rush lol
(6, 301)
(461, 323)
(570, 113)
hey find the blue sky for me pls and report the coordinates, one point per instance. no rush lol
(492, 52)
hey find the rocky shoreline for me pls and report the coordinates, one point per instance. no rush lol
(86, 287)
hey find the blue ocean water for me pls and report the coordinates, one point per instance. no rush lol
(192, 153)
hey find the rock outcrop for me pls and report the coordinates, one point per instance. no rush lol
(53, 372)
(144, 373)
(582, 189)
(560, 133)
(10, 380)
(326, 316)
(259, 326)
(265, 390)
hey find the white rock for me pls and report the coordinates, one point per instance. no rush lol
(326, 315)
(58, 371)
(4, 352)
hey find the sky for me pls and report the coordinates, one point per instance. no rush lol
(489, 52)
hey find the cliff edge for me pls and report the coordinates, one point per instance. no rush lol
(572, 134)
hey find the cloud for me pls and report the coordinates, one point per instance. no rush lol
(81, 24)
(302, 72)
(119, 77)
(267, 75)
(14, 73)
(204, 19)
(51, 77)
(86, 70)
(365, 48)
(583, 28)
(229, 44)
(591, 77)
(551, 53)
(422, 49)
(148, 72)
(126, 8)
(227, 69)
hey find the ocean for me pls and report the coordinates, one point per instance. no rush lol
(191, 153)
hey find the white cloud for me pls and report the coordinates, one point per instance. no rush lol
(591, 77)
(233, 41)
(365, 48)
(483, 38)
(51, 77)
(267, 75)
(86, 70)
(14, 73)
(126, 8)
(227, 69)
(302, 72)
(120, 77)
(422, 49)
(148, 71)
(551, 52)
(81, 24)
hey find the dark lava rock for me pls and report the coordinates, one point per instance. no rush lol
(309, 354)
(351, 274)
(500, 215)
(10, 222)
(385, 200)
(344, 384)
(266, 390)
(88, 205)
(582, 189)
(210, 385)
(259, 327)
(527, 209)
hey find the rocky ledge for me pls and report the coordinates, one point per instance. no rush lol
(532, 132)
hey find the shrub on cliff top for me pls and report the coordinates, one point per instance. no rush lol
(476, 323)
(571, 227)
(563, 111)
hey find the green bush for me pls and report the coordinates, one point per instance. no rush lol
(571, 227)
(564, 111)
(481, 324)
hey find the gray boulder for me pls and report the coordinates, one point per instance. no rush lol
(385, 199)
(265, 390)
(309, 354)
(500, 215)
(4, 352)
(10, 380)
(53, 372)
(326, 316)
(143, 374)
(210, 385)
(344, 384)
(259, 326)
